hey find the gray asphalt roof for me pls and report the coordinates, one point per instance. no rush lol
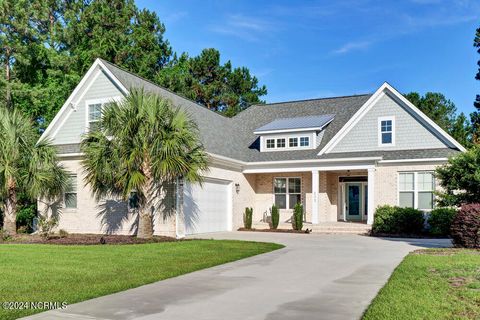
(296, 123)
(235, 138)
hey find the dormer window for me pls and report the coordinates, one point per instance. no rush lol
(292, 142)
(386, 131)
(270, 143)
(304, 141)
(281, 143)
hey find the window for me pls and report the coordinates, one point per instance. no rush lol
(304, 141)
(133, 200)
(270, 143)
(70, 196)
(287, 192)
(416, 190)
(281, 143)
(94, 115)
(386, 131)
(293, 142)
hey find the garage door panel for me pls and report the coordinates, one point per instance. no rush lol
(206, 207)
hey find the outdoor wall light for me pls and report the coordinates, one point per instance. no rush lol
(237, 187)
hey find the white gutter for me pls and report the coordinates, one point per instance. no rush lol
(414, 160)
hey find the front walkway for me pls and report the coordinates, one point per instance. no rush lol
(315, 277)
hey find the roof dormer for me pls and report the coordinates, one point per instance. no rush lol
(292, 133)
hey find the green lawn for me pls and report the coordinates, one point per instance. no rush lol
(75, 273)
(436, 284)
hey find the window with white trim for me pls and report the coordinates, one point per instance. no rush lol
(416, 190)
(94, 115)
(270, 143)
(281, 143)
(386, 131)
(70, 195)
(287, 192)
(304, 141)
(293, 142)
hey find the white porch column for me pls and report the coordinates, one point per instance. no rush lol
(315, 190)
(371, 194)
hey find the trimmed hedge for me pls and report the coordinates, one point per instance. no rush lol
(465, 230)
(440, 221)
(298, 217)
(247, 218)
(275, 216)
(396, 220)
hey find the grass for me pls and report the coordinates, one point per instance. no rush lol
(431, 284)
(76, 273)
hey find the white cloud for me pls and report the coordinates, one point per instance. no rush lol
(354, 45)
(244, 27)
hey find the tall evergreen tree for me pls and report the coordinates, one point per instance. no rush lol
(444, 112)
(219, 87)
(475, 116)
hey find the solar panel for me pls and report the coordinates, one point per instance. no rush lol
(310, 122)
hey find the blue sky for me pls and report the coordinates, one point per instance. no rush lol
(311, 49)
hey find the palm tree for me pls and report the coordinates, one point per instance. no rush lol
(25, 166)
(143, 143)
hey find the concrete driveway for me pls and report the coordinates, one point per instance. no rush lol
(313, 277)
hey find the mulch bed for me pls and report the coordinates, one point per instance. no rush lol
(273, 230)
(85, 239)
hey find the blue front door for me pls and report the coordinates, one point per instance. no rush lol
(353, 201)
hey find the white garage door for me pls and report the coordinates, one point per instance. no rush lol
(207, 207)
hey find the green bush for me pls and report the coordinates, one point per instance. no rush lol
(275, 214)
(25, 218)
(440, 221)
(46, 226)
(396, 220)
(247, 218)
(298, 217)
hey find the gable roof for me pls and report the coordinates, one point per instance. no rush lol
(235, 138)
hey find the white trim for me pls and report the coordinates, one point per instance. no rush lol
(379, 128)
(303, 169)
(80, 89)
(415, 187)
(369, 104)
(333, 160)
(315, 195)
(370, 195)
(287, 198)
(414, 160)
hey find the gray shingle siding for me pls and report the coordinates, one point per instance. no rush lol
(409, 132)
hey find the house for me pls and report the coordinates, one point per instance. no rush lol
(340, 157)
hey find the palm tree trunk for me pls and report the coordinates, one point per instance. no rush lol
(10, 209)
(145, 219)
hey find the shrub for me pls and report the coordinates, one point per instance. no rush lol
(247, 218)
(25, 218)
(298, 217)
(275, 216)
(46, 226)
(440, 221)
(396, 220)
(465, 230)
(4, 236)
(62, 233)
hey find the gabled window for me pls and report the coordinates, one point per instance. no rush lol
(386, 131)
(94, 115)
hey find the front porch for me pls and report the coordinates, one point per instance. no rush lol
(334, 200)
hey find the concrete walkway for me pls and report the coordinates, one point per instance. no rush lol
(313, 277)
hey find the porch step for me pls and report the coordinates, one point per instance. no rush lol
(325, 227)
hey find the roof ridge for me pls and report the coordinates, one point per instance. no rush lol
(163, 88)
(313, 99)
